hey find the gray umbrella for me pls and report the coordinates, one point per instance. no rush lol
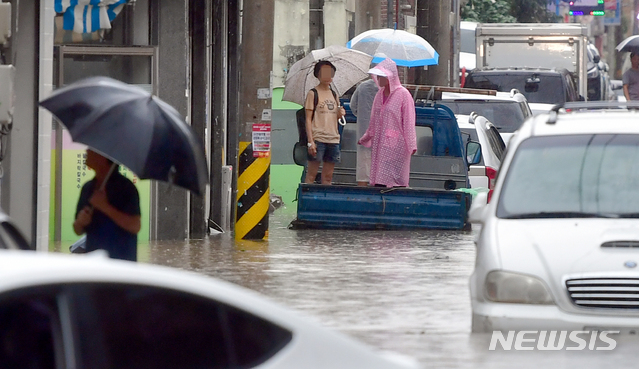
(630, 44)
(352, 66)
(132, 127)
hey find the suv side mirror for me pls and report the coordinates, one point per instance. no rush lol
(596, 58)
(473, 152)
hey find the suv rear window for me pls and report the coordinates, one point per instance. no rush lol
(507, 116)
(538, 88)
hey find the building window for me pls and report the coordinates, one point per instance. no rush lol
(316, 21)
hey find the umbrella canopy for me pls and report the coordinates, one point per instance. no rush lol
(352, 66)
(132, 127)
(630, 44)
(406, 49)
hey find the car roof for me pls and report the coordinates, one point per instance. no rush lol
(519, 70)
(501, 96)
(22, 269)
(582, 122)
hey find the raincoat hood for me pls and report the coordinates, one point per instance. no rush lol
(389, 68)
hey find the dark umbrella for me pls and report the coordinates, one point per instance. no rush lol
(132, 127)
(630, 44)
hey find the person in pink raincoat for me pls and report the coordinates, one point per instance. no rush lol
(391, 133)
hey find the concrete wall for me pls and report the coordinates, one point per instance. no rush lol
(335, 23)
(290, 36)
(367, 15)
(26, 183)
(170, 203)
(47, 14)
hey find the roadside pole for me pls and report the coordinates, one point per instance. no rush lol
(199, 73)
(253, 169)
(433, 24)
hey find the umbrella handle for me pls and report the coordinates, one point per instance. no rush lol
(106, 179)
(342, 121)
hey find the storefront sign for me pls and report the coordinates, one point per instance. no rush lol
(261, 140)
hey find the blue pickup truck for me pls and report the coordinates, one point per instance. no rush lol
(438, 170)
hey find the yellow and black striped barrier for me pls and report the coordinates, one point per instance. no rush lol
(252, 194)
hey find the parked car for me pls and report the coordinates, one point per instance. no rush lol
(10, 236)
(539, 85)
(506, 110)
(558, 245)
(83, 311)
(477, 128)
(598, 78)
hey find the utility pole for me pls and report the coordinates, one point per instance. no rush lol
(433, 24)
(253, 169)
(234, 47)
(218, 99)
(199, 47)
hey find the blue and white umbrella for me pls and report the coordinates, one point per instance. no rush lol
(86, 16)
(406, 49)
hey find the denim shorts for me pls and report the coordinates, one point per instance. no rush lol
(328, 153)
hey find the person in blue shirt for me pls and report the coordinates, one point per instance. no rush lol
(109, 214)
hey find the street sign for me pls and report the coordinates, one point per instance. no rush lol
(587, 7)
(613, 13)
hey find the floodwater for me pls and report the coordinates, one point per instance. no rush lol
(403, 291)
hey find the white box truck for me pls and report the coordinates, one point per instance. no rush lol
(535, 45)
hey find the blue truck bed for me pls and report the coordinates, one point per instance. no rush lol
(354, 207)
(438, 168)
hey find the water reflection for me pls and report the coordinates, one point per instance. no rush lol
(405, 291)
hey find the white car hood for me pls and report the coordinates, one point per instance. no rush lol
(558, 247)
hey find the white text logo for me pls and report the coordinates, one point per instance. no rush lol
(553, 340)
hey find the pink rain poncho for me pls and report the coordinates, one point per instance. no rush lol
(391, 133)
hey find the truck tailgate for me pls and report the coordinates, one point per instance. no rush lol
(353, 207)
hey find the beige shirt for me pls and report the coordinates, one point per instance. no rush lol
(324, 125)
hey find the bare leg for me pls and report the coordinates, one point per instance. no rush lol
(327, 173)
(362, 184)
(311, 171)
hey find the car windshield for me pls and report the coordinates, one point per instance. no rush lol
(572, 176)
(537, 88)
(507, 116)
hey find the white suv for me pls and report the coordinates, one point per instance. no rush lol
(559, 245)
(506, 110)
(477, 128)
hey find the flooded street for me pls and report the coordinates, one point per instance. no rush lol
(405, 291)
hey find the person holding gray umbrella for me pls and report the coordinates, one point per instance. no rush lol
(630, 78)
(108, 210)
(322, 114)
